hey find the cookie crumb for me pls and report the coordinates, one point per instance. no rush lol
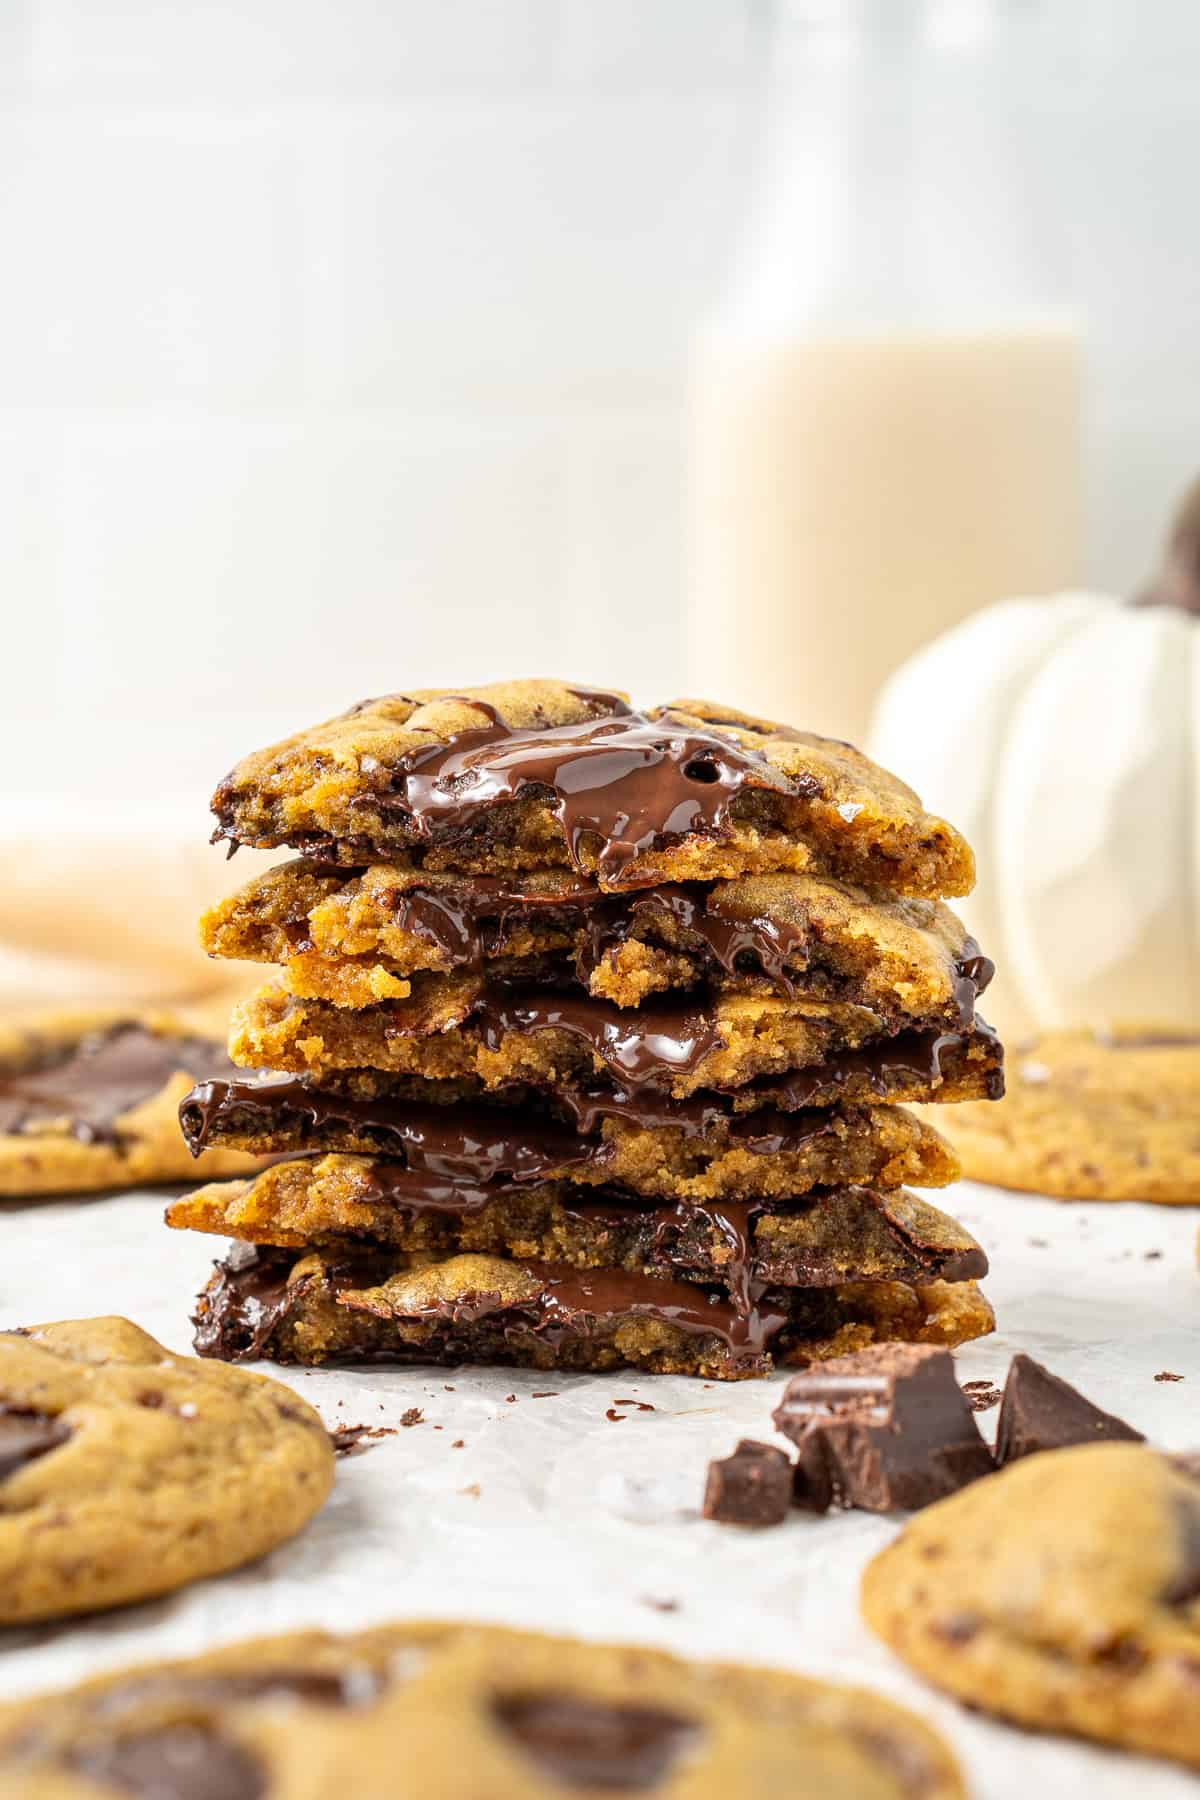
(348, 1440)
(412, 1416)
(459, 1444)
(473, 1490)
(545, 1394)
(1152, 1256)
(663, 1606)
(1166, 1375)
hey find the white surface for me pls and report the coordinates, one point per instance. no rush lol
(333, 313)
(578, 1522)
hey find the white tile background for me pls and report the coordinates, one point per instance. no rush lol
(343, 342)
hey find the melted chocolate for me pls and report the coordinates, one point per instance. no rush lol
(246, 1302)
(594, 1744)
(477, 1144)
(582, 1304)
(472, 1143)
(93, 1083)
(919, 1056)
(26, 1434)
(652, 1044)
(632, 782)
(174, 1762)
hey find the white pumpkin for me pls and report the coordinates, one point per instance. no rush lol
(1062, 735)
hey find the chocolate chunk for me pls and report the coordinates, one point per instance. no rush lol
(26, 1435)
(751, 1487)
(587, 1743)
(175, 1762)
(885, 1429)
(1040, 1411)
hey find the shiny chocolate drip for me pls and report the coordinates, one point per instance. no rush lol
(633, 782)
(26, 1434)
(919, 1055)
(474, 1143)
(589, 1743)
(93, 1083)
(646, 1045)
(246, 1302)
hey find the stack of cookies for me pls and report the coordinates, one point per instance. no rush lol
(585, 1043)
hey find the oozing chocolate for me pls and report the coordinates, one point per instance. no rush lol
(885, 1065)
(651, 1044)
(473, 1143)
(250, 1300)
(91, 1084)
(588, 1743)
(26, 1434)
(632, 782)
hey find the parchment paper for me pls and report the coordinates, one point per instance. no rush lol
(553, 1515)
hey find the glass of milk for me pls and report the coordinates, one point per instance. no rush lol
(884, 415)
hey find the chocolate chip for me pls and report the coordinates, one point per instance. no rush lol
(1040, 1411)
(175, 1762)
(885, 1429)
(26, 1434)
(751, 1487)
(586, 1743)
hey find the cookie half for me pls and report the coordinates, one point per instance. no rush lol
(535, 774)
(126, 1471)
(379, 1306)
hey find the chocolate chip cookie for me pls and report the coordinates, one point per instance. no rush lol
(126, 1471)
(90, 1101)
(535, 774)
(1091, 1116)
(444, 1711)
(1062, 1593)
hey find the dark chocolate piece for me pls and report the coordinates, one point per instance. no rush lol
(1040, 1411)
(584, 1743)
(885, 1429)
(174, 1762)
(751, 1487)
(26, 1434)
(90, 1084)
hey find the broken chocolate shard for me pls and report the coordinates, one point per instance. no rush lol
(751, 1487)
(886, 1429)
(1040, 1411)
(88, 1085)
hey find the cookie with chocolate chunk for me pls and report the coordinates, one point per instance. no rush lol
(665, 1149)
(357, 938)
(1062, 1593)
(1092, 1116)
(463, 1028)
(379, 1306)
(464, 1710)
(831, 1237)
(126, 1471)
(536, 774)
(91, 1100)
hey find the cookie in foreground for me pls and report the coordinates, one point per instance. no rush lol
(1062, 1593)
(446, 1711)
(379, 1307)
(1091, 1115)
(126, 1471)
(90, 1101)
(537, 774)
